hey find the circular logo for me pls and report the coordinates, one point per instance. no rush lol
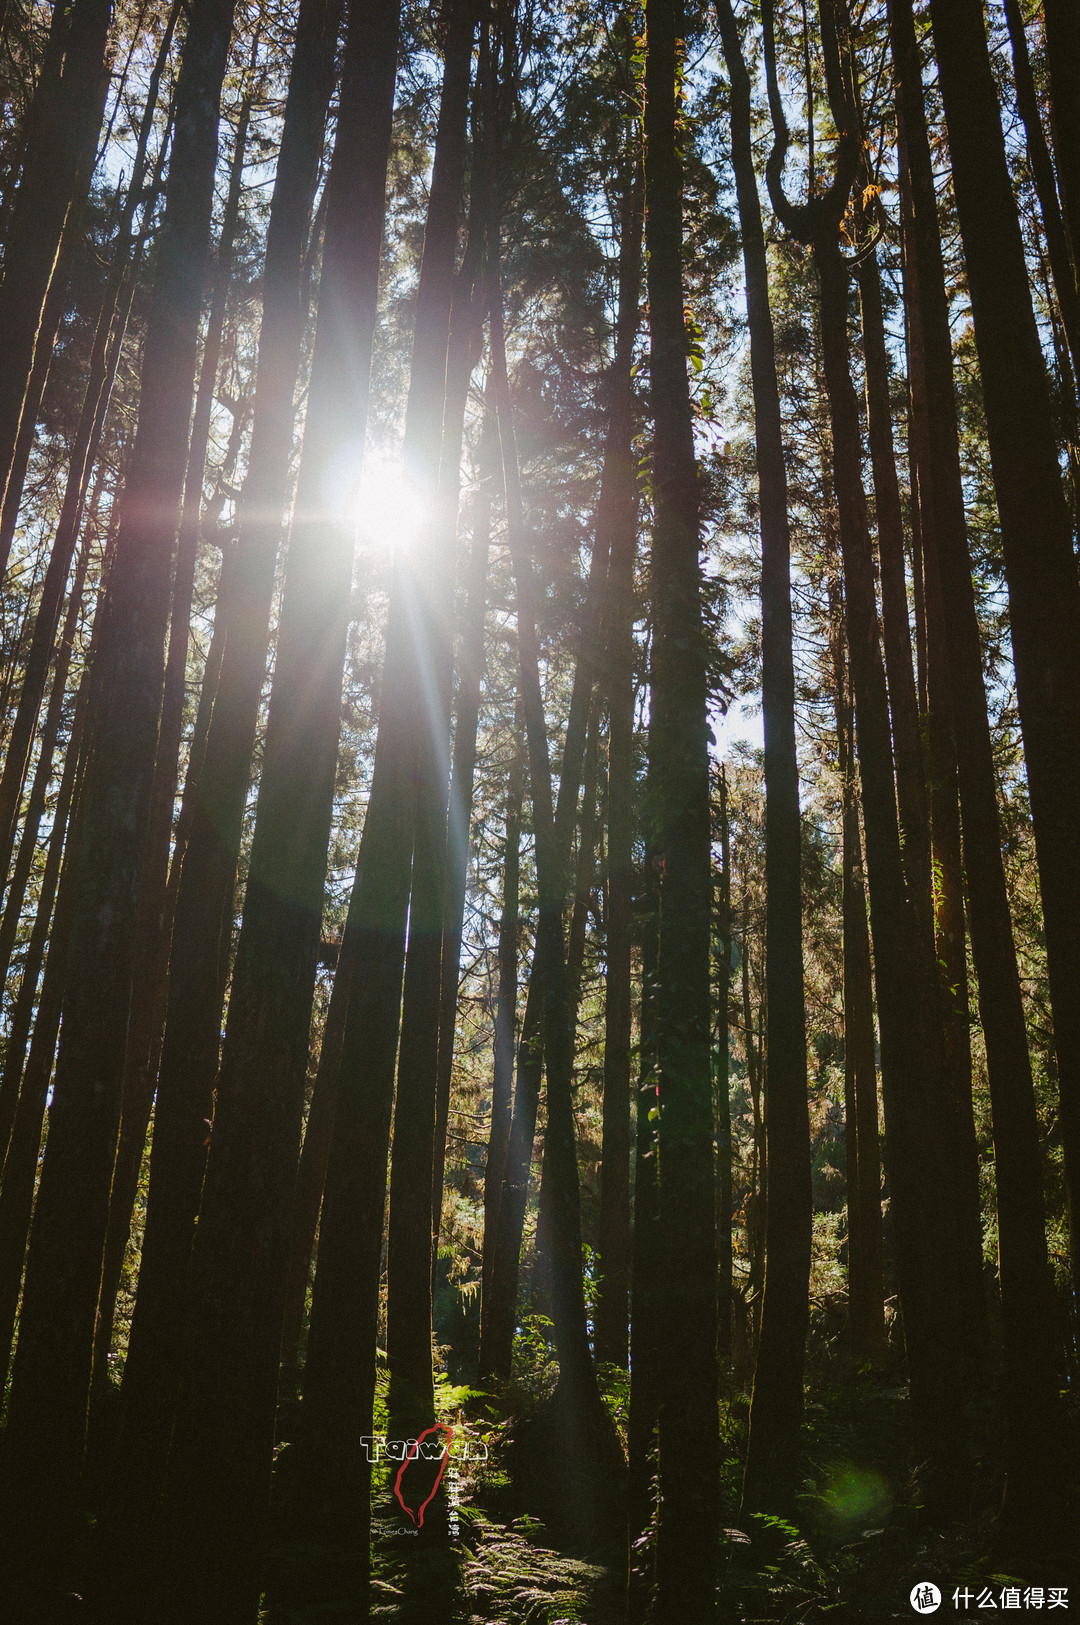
(925, 1597)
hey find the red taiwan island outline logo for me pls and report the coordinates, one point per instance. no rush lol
(414, 1454)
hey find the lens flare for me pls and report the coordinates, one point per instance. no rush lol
(390, 509)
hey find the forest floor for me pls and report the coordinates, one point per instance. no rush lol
(863, 1543)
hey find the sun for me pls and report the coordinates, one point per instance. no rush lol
(390, 509)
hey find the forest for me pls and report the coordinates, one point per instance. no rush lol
(539, 811)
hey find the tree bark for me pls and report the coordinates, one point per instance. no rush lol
(21, 1163)
(462, 775)
(26, 1077)
(123, 273)
(104, 358)
(339, 1379)
(589, 1489)
(58, 159)
(929, 817)
(866, 1293)
(153, 928)
(911, 1047)
(618, 512)
(216, 1492)
(1063, 60)
(772, 1464)
(1040, 566)
(646, 1372)
(47, 1415)
(502, 1078)
(724, 1203)
(1042, 173)
(1033, 1497)
(504, 1247)
(444, 352)
(679, 817)
(15, 1043)
(213, 805)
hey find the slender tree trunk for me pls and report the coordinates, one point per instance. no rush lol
(104, 358)
(911, 1064)
(679, 802)
(724, 1209)
(1040, 566)
(1042, 173)
(311, 1171)
(1033, 1499)
(47, 1413)
(216, 1492)
(502, 1077)
(757, 1201)
(438, 384)
(502, 1252)
(51, 316)
(1063, 60)
(21, 1163)
(646, 1372)
(462, 774)
(213, 808)
(58, 159)
(112, 316)
(154, 922)
(948, 980)
(578, 1408)
(911, 1044)
(465, 344)
(772, 1465)
(26, 1077)
(619, 513)
(865, 1240)
(24, 862)
(339, 1380)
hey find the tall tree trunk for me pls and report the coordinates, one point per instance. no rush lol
(724, 1204)
(104, 359)
(502, 1249)
(618, 512)
(112, 316)
(1063, 60)
(15, 1042)
(154, 921)
(216, 1491)
(58, 159)
(757, 1200)
(948, 980)
(866, 1292)
(339, 1377)
(772, 1463)
(511, 1209)
(911, 1046)
(213, 807)
(26, 1077)
(680, 836)
(1042, 173)
(502, 1077)
(460, 805)
(47, 1415)
(646, 1369)
(1033, 1499)
(577, 1407)
(462, 774)
(1040, 567)
(918, 1168)
(444, 352)
(21, 1163)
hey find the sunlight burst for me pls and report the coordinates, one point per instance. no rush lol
(390, 509)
